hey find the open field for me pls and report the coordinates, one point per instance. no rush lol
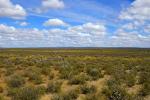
(75, 74)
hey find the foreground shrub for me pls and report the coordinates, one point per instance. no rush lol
(70, 95)
(94, 73)
(26, 93)
(35, 77)
(78, 79)
(15, 81)
(87, 89)
(54, 86)
(145, 89)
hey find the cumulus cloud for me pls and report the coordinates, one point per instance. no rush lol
(23, 23)
(139, 10)
(49, 4)
(55, 4)
(88, 34)
(8, 9)
(55, 22)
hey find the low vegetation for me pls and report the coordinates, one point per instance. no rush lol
(75, 74)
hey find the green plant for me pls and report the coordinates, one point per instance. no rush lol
(77, 79)
(26, 93)
(54, 86)
(87, 89)
(16, 81)
(94, 73)
(35, 77)
(145, 89)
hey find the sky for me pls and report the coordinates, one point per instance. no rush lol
(75, 23)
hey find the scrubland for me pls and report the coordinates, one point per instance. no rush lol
(75, 74)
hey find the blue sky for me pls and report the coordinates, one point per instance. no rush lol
(75, 23)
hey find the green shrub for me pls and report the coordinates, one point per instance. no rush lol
(41, 90)
(54, 86)
(26, 93)
(94, 73)
(70, 95)
(45, 70)
(92, 97)
(87, 89)
(78, 79)
(35, 77)
(56, 97)
(145, 89)
(115, 94)
(51, 76)
(16, 81)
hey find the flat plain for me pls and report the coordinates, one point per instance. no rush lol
(75, 74)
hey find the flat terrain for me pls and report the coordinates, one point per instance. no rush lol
(75, 74)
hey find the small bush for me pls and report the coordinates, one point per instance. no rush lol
(145, 89)
(26, 93)
(78, 79)
(54, 86)
(115, 94)
(16, 81)
(35, 77)
(41, 90)
(56, 97)
(70, 95)
(51, 76)
(87, 89)
(94, 73)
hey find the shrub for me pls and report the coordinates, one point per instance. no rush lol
(92, 97)
(78, 79)
(56, 97)
(145, 89)
(35, 77)
(87, 89)
(115, 94)
(51, 76)
(130, 80)
(45, 70)
(94, 73)
(54, 86)
(26, 93)
(41, 90)
(15, 81)
(70, 95)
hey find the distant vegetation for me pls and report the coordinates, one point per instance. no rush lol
(75, 74)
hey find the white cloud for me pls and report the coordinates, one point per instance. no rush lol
(90, 35)
(139, 10)
(46, 5)
(55, 4)
(8, 9)
(55, 22)
(23, 23)
(89, 28)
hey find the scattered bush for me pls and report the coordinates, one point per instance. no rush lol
(87, 89)
(78, 79)
(26, 93)
(16, 81)
(54, 86)
(94, 73)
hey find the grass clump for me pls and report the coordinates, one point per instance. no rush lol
(78, 79)
(54, 86)
(27, 93)
(87, 89)
(16, 81)
(94, 73)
